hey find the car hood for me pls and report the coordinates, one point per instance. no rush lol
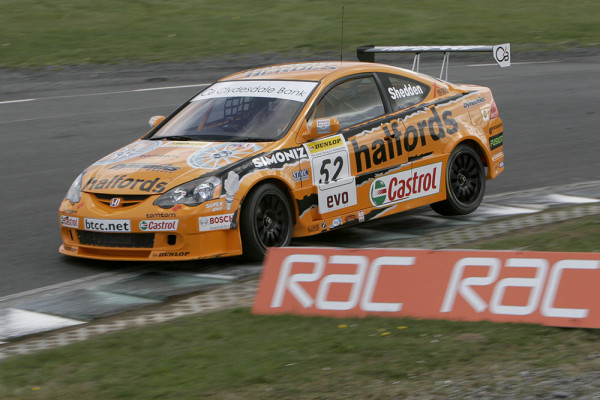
(152, 167)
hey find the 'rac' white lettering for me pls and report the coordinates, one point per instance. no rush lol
(463, 286)
(361, 292)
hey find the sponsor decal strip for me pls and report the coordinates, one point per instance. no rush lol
(406, 185)
(471, 103)
(171, 254)
(496, 141)
(549, 288)
(107, 225)
(123, 182)
(289, 90)
(147, 167)
(407, 91)
(130, 151)
(330, 164)
(216, 222)
(300, 175)
(69, 222)
(276, 69)
(280, 158)
(404, 114)
(402, 140)
(161, 225)
(221, 154)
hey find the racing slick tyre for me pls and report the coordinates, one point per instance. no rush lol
(266, 221)
(465, 183)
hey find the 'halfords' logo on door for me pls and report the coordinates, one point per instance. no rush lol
(407, 185)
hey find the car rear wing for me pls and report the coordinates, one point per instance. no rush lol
(500, 52)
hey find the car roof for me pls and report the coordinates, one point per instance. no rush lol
(317, 71)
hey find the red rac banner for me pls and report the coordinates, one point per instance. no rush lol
(556, 289)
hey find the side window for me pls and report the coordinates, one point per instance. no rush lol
(404, 92)
(351, 102)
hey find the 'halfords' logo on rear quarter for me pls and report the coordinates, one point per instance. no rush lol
(407, 185)
(398, 142)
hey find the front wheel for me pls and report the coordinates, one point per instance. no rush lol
(465, 183)
(266, 221)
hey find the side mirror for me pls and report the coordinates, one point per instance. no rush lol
(322, 127)
(155, 120)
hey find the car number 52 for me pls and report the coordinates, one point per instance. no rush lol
(328, 165)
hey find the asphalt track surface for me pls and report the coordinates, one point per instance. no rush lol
(54, 123)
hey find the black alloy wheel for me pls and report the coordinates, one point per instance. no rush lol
(465, 183)
(266, 221)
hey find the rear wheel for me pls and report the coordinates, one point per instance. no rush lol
(465, 183)
(266, 221)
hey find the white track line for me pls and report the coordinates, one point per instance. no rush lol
(74, 283)
(105, 93)
(16, 101)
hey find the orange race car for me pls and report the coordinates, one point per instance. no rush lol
(285, 151)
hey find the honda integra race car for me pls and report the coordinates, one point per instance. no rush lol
(285, 151)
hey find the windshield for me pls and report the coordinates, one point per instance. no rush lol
(238, 111)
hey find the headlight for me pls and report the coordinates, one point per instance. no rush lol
(191, 193)
(74, 193)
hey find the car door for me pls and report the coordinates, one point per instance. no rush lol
(353, 102)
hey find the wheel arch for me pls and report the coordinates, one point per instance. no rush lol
(281, 184)
(479, 149)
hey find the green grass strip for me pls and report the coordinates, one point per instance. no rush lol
(66, 32)
(236, 355)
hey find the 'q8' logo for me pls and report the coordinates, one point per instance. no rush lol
(378, 192)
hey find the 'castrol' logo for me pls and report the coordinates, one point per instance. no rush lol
(215, 222)
(407, 185)
(69, 222)
(159, 225)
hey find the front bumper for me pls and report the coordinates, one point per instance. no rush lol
(144, 232)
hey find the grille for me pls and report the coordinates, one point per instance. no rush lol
(138, 240)
(125, 200)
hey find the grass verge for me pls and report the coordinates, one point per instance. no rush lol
(582, 234)
(65, 32)
(236, 355)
